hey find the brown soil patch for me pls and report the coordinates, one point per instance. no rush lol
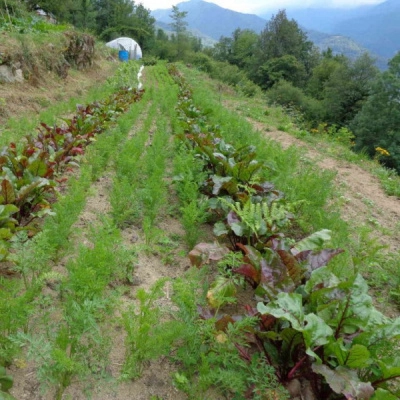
(364, 200)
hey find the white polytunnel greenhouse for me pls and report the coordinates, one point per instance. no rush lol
(134, 52)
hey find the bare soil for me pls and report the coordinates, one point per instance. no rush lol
(365, 201)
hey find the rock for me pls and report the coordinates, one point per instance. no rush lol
(19, 77)
(294, 388)
(7, 75)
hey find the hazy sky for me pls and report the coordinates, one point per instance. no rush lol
(252, 6)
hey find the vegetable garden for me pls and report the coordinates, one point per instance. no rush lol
(274, 305)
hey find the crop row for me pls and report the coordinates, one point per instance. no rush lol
(31, 170)
(34, 175)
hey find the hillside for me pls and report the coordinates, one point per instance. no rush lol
(378, 29)
(374, 27)
(211, 19)
(324, 19)
(44, 75)
(214, 21)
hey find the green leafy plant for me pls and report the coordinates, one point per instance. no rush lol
(253, 223)
(6, 383)
(343, 339)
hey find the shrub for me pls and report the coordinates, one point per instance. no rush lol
(149, 60)
(202, 62)
(287, 95)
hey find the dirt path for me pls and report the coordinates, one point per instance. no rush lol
(364, 200)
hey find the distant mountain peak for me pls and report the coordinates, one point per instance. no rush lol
(212, 19)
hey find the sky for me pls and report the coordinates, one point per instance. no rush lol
(254, 6)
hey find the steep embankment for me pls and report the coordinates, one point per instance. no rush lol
(40, 70)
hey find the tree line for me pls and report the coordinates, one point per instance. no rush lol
(107, 19)
(330, 93)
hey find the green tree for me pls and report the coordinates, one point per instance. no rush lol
(244, 45)
(280, 38)
(347, 89)
(286, 67)
(378, 122)
(222, 51)
(82, 15)
(62, 10)
(116, 18)
(322, 72)
(179, 26)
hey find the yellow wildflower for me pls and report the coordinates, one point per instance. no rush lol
(382, 152)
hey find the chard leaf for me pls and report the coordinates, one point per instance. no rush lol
(345, 381)
(38, 168)
(313, 260)
(313, 242)
(249, 271)
(222, 291)
(220, 229)
(219, 181)
(316, 332)
(321, 278)
(389, 371)
(28, 190)
(274, 276)
(232, 218)
(291, 338)
(358, 357)
(202, 253)
(7, 192)
(379, 333)
(7, 210)
(346, 306)
(338, 350)
(292, 265)
(382, 394)
(219, 156)
(238, 228)
(289, 306)
(252, 255)
(361, 302)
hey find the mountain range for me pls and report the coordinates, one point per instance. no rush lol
(375, 29)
